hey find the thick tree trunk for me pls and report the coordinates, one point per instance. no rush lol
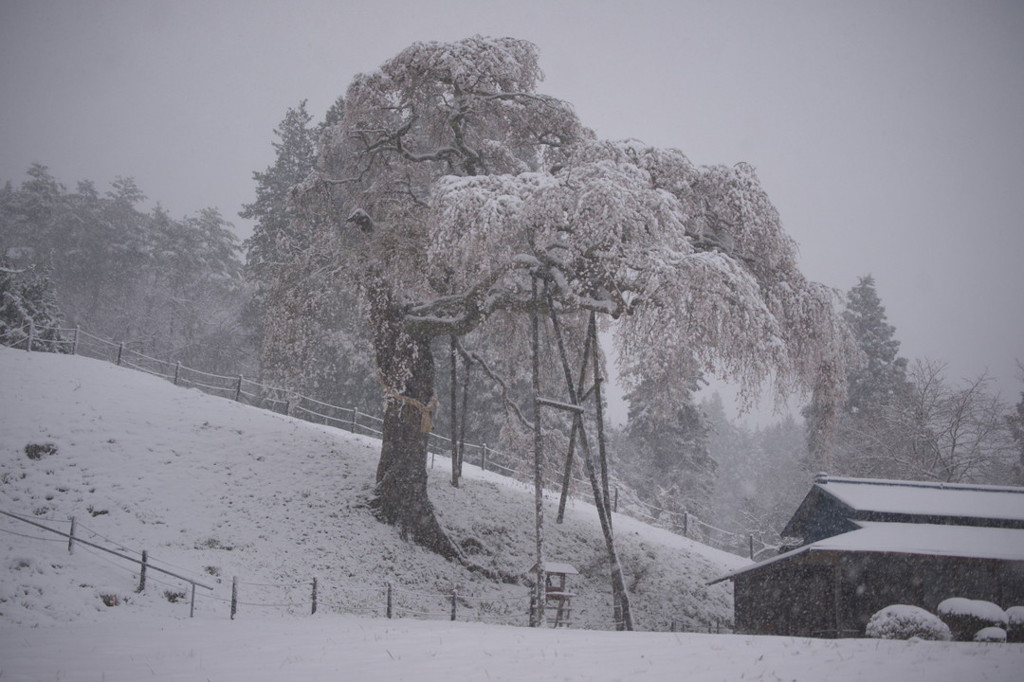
(402, 497)
(406, 367)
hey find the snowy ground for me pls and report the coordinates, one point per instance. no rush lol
(213, 489)
(353, 648)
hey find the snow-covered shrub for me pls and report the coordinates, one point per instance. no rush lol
(965, 617)
(38, 450)
(174, 597)
(1015, 624)
(902, 621)
(990, 634)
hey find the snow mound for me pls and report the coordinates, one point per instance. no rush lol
(1015, 624)
(903, 621)
(992, 634)
(965, 617)
(977, 608)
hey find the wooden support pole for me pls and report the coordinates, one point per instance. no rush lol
(31, 336)
(563, 497)
(238, 389)
(558, 405)
(538, 460)
(120, 352)
(837, 595)
(74, 347)
(177, 372)
(453, 394)
(192, 604)
(576, 423)
(314, 597)
(142, 571)
(602, 453)
(622, 611)
(465, 410)
(234, 596)
(71, 537)
(390, 611)
(355, 419)
(455, 601)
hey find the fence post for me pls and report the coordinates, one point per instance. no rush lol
(71, 537)
(192, 605)
(751, 539)
(74, 347)
(314, 596)
(234, 596)
(615, 507)
(142, 571)
(355, 419)
(686, 525)
(238, 389)
(454, 601)
(120, 352)
(31, 335)
(483, 458)
(177, 372)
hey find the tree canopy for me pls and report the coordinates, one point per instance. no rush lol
(466, 182)
(449, 186)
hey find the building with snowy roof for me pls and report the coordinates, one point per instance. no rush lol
(866, 544)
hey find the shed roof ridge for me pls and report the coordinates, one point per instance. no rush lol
(824, 480)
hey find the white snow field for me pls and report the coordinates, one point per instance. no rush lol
(213, 490)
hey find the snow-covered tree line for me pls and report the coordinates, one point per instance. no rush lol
(29, 314)
(901, 419)
(909, 420)
(169, 287)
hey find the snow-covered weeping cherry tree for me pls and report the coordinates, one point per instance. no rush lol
(451, 184)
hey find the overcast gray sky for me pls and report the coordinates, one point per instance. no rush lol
(889, 134)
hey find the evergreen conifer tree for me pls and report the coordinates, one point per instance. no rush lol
(864, 437)
(29, 311)
(667, 436)
(274, 234)
(317, 347)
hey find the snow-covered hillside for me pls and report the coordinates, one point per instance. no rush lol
(213, 489)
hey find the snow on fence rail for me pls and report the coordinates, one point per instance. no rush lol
(79, 342)
(294, 598)
(298, 597)
(144, 561)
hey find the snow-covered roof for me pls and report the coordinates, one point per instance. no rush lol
(557, 567)
(975, 542)
(927, 499)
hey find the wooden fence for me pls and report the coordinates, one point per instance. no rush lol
(241, 389)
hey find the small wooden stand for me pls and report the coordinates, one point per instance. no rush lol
(558, 599)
